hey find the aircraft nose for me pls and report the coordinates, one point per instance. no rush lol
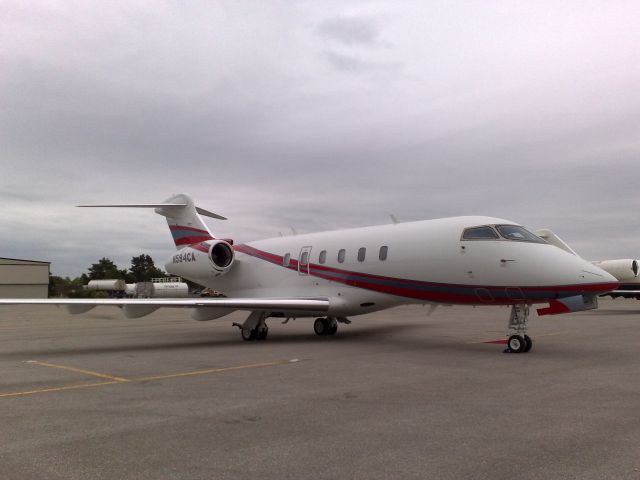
(598, 278)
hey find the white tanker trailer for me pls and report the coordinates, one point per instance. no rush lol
(112, 285)
(157, 290)
(170, 290)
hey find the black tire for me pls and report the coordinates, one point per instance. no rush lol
(528, 343)
(262, 334)
(248, 334)
(333, 328)
(321, 326)
(516, 344)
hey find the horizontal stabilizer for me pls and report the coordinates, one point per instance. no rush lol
(207, 213)
(201, 211)
(137, 205)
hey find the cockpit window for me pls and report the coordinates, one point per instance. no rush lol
(518, 233)
(480, 233)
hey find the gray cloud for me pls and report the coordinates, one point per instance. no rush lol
(350, 31)
(352, 45)
(351, 63)
(527, 113)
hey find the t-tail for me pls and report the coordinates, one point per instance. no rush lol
(183, 218)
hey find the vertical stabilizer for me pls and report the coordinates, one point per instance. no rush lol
(184, 221)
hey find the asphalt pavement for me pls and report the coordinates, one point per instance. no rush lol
(396, 394)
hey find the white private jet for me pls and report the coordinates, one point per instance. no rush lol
(337, 274)
(625, 270)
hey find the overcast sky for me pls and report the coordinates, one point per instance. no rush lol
(320, 115)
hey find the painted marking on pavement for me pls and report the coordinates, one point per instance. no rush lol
(113, 380)
(57, 389)
(209, 370)
(80, 370)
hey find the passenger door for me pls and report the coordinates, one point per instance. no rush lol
(303, 261)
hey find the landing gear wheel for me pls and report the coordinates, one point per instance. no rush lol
(333, 328)
(528, 343)
(321, 326)
(262, 334)
(248, 334)
(516, 344)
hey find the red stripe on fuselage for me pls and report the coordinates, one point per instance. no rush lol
(202, 247)
(366, 281)
(192, 240)
(180, 227)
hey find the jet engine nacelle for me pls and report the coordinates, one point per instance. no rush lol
(624, 270)
(196, 264)
(221, 255)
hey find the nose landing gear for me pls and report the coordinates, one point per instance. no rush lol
(519, 342)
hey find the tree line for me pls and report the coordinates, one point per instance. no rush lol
(142, 269)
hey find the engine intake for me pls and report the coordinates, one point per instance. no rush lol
(623, 269)
(221, 255)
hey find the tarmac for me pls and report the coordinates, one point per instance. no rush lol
(395, 395)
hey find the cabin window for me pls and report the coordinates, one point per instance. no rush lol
(304, 258)
(322, 258)
(341, 254)
(480, 233)
(286, 259)
(362, 252)
(518, 234)
(383, 253)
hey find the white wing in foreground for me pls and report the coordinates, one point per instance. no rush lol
(138, 307)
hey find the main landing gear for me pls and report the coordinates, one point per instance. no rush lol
(325, 326)
(519, 341)
(254, 327)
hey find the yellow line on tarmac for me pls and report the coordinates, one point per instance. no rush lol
(120, 380)
(58, 389)
(209, 370)
(80, 370)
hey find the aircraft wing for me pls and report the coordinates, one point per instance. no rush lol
(136, 307)
(623, 293)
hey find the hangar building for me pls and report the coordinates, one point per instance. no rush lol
(23, 278)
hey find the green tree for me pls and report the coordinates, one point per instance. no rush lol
(105, 269)
(58, 286)
(143, 269)
(66, 287)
